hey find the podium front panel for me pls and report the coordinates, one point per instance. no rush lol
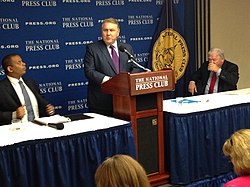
(147, 137)
(146, 102)
(138, 97)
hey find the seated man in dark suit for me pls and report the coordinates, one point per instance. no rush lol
(20, 98)
(215, 75)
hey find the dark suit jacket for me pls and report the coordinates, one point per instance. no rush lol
(9, 100)
(227, 80)
(97, 64)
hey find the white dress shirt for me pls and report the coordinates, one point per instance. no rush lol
(216, 82)
(17, 88)
(106, 78)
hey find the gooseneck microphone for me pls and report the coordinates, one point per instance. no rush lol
(131, 57)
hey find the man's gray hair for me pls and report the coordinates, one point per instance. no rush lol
(219, 51)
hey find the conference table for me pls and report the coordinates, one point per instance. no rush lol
(195, 130)
(41, 156)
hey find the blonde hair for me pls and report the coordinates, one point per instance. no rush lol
(237, 147)
(121, 171)
(111, 20)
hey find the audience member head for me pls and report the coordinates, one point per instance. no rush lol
(121, 171)
(237, 148)
(110, 30)
(13, 65)
(216, 56)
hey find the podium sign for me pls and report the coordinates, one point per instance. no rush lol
(139, 83)
(151, 82)
(138, 97)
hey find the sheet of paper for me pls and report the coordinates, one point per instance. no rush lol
(52, 119)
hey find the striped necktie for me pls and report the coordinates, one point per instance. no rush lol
(28, 105)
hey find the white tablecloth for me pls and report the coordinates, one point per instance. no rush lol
(31, 131)
(205, 102)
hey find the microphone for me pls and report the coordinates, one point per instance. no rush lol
(58, 126)
(123, 49)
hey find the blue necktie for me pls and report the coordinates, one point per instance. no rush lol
(115, 58)
(28, 105)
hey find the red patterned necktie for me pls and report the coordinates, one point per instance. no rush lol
(212, 83)
(115, 58)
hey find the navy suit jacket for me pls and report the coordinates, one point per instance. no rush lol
(9, 100)
(97, 64)
(227, 80)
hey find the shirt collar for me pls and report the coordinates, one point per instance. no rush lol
(14, 80)
(115, 45)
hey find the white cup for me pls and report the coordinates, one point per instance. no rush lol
(15, 124)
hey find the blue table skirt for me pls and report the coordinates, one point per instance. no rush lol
(69, 161)
(193, 142)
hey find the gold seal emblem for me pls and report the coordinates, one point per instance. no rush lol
(170, 51)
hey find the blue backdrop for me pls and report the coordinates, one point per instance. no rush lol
(51, 36)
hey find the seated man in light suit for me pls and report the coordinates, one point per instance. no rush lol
(12, 100)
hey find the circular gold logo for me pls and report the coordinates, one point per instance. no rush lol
(170, 51)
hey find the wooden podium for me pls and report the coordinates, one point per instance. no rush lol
(138, 98)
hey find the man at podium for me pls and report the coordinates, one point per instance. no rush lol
(103, 60)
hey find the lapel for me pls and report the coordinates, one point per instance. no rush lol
(105, 52)
(31, 86)
(28, 83)
(9, 89)
(122, 57)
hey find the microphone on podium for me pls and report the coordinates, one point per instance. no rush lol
(131, 57)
